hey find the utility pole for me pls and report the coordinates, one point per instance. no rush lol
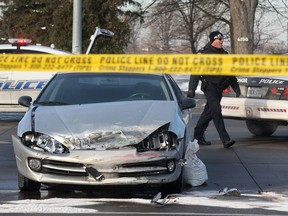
(77, 27)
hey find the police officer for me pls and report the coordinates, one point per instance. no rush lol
(212, 86)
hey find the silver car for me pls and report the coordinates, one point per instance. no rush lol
(104, 129)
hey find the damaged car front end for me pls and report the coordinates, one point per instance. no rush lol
(123, 136)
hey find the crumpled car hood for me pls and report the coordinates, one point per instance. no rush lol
(104, 125)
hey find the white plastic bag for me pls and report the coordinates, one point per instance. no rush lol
(192, 148)
(194, 172)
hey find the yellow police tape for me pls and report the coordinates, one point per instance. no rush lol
(207, 64)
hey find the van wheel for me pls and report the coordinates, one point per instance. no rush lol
(25, 184)
(261, 128)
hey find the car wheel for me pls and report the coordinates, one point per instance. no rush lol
(26, 184)
(178, 185)
(173, 187)
(261, 128)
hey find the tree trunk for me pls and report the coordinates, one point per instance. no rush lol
(242, 25)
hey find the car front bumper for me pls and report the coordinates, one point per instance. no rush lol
(108, 167)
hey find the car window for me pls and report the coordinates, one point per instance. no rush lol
(82, 88)
(26, 51)
(24, 46)
(178, 93)
(20, 51)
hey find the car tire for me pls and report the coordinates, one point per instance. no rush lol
(173, 187)
(178, 185)
(25, 184)
(261, 128)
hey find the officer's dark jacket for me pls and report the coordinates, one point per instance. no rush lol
(222, 81)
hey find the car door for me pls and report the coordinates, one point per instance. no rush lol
(5, 93)
(27, 83)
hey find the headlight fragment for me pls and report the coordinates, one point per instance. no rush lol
(43, 142)
(161, 139)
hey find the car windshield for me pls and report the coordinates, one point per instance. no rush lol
(84, 88)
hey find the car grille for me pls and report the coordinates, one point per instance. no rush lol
(124, 170)
(143, 169)
(63, 168)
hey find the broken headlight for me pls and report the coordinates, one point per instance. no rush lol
(42, 142)
(161, 139)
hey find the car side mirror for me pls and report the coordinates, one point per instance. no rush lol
(25, 101)
(187, 103)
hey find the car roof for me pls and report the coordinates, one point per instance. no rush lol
(10, 49)
(67, 73)
(268, 77)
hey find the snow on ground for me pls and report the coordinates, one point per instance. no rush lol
(265, 201)
(183, 82)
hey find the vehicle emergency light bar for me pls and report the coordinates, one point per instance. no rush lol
(19, 41)
(98, 32)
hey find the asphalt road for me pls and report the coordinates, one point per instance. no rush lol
(256, 167)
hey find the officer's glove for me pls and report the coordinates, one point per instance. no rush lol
(238, 93)
(191, 93)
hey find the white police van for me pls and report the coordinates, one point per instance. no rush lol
(14, 84)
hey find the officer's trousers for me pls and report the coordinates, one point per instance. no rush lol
(212, 111)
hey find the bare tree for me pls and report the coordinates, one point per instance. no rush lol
(135, 26)
(203, 17)
(274, 27)
(242, 25)
(164, 27)
(235, 18)
(193, 17)
(240, 21)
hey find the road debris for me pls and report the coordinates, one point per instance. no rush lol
(230, 192)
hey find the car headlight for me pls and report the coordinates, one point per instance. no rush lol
(44, 142)
(161, 139)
